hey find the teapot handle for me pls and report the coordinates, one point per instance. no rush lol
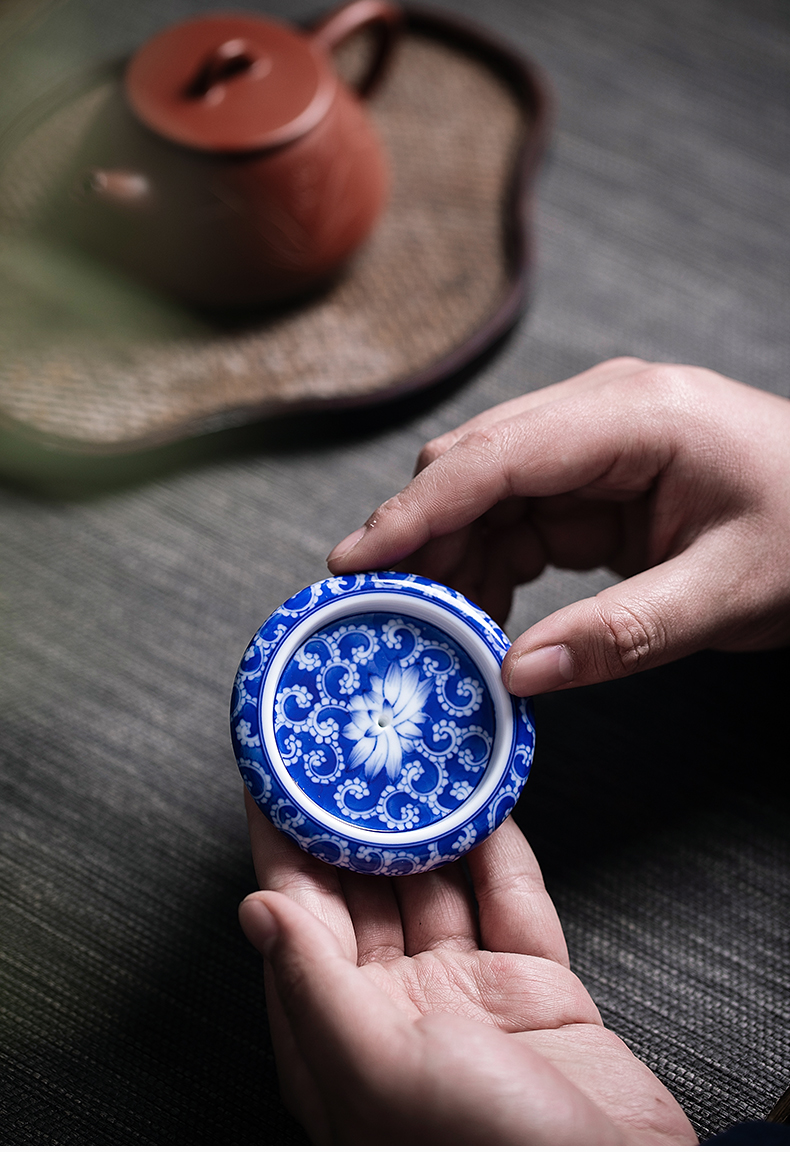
(337, 26)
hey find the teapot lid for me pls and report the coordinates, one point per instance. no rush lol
(370, 723)
(229, 83)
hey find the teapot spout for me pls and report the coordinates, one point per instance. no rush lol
(116, 185)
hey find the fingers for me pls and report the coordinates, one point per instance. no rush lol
(283, 867)
(593, 438)
(672, 470)
(345, 1028)
(567, 532)
(411, 914)
(437, 909)
(608, 370)
(494, 555)
(515, 910)
(385, 1074)
(373, 921)
(656, 616)
(375, 915)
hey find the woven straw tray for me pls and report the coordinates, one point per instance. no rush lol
(92, 363)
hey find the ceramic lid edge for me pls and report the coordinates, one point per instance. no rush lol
(347, 846)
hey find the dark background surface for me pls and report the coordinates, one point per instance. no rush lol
(131, 1009)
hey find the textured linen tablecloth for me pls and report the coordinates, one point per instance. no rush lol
(131, 1009)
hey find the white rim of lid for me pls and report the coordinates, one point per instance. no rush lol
(463, 634)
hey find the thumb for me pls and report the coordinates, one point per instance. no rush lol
(676, 608)
(339, 1017)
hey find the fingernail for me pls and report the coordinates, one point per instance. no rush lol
(351, 541)
(258, 924)
(541, 671)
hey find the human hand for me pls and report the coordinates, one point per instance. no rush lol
(401, 1015)
(674, 477)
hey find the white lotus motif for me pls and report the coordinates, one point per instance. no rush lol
(385, 721)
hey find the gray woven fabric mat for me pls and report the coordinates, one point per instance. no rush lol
(131, 1009)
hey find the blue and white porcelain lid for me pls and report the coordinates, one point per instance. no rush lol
(370, 723)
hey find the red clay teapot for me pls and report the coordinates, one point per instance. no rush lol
(235, 168)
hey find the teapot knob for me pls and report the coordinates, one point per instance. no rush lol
(234, 58)
(116, 185)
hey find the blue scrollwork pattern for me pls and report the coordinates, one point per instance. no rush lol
(384, 721)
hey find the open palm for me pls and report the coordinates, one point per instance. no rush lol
(426, 1010)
